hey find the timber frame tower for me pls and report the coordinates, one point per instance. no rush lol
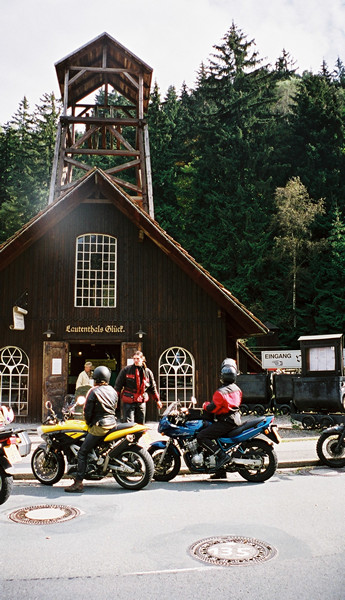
(116, 133)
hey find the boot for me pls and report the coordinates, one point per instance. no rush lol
(220, 456)
(220, 474)
(76, 487)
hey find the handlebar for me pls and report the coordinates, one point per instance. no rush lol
(67, 411)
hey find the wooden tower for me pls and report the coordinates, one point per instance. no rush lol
(116, 132)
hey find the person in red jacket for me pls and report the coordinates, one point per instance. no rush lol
(224, 406)
(135, 384)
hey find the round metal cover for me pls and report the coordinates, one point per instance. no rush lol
(44, 514)
(232, 550)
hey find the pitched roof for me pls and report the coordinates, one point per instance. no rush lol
(243, 322)
(103, 57)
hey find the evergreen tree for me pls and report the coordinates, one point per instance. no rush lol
(329, 299)
(317, 139)
(232, 132)
(27, 149)
(168, 157)
(46, 121)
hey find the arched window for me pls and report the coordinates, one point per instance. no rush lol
(176, 376)
(95, 271)
(14, 379)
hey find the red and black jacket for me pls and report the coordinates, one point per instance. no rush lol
(225, 400)
(135, 384)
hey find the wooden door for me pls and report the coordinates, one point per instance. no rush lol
(127, 351)
(55, 374)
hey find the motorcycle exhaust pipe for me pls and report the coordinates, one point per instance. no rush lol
(114, 452)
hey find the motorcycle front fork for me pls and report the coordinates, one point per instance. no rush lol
(341, 441)
(162, 456)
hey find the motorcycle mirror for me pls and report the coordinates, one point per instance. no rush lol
(193, 400)
(81, 400)
(49, 405)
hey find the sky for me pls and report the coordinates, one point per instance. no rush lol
(172, 36)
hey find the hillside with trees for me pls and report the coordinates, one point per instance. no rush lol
(248, 175)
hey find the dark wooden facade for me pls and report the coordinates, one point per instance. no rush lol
(159, 287)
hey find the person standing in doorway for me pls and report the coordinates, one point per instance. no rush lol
(135, 384)
(85, 377)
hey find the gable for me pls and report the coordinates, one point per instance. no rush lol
(101, 57)
(97, 188)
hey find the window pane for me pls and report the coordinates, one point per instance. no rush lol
(14, 379)
(176, 376)
(96, 257)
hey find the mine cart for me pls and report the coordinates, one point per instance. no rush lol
(257, 393)
(282, 392)
(319, 392)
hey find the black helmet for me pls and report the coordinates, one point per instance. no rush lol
(101, 375)
(228, 374)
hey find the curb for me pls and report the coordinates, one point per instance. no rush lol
(299, 464)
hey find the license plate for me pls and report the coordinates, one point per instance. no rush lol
(12, 453)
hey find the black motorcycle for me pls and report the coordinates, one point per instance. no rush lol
(330, 446)
(13, 445)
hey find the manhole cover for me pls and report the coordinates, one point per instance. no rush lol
(44, 514)
(230, 550)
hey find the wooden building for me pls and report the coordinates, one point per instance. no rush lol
(93, 276)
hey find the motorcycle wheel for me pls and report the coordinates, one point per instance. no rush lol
(47, 467)
(139, 459)
(260, 450)
(169, 468)
(326, 450)
(6, 484)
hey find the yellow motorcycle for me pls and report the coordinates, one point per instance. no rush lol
(118, 452)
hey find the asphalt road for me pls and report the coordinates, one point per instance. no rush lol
(136, 545)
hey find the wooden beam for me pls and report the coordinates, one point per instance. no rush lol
(120, 137)
(65, 94)
(77, 164)
(128, 165)
(102, 152)
(101, 121)
(126, 184)
(148, 172)
(105, 70)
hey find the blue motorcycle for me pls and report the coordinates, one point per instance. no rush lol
(251, 456)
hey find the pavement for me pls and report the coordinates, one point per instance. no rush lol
(297, 449)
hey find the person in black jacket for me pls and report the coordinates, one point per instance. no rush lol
(99, 415)
(135, 383)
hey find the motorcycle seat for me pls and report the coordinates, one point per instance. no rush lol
(120, 426)
(244, 426)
